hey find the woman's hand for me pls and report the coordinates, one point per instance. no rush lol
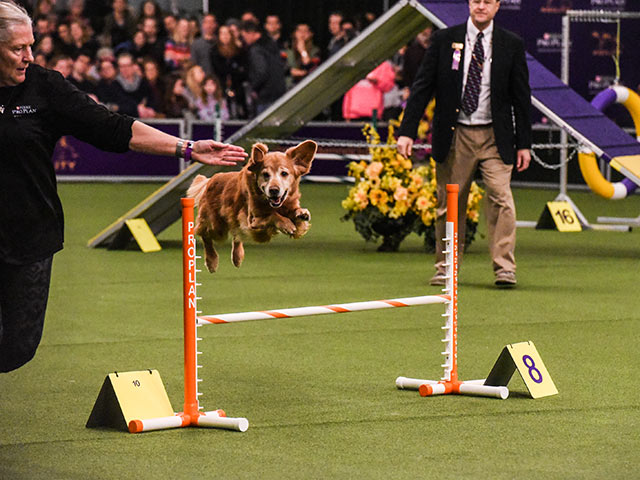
(211, 152)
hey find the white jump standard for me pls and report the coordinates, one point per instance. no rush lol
(449, 384)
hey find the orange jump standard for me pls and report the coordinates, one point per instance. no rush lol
(449, 382)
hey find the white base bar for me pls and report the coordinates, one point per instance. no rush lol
(475, 382)
(404, 383)
(484, 390)
(213, 419)
(161, 423)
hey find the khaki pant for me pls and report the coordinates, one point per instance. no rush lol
(475, 148)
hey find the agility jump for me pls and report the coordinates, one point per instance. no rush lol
(192, 415)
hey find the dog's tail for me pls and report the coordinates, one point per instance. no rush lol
(197, 188)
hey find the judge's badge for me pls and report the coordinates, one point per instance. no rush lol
(457, 55)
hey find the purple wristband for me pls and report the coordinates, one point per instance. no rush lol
(187, 154)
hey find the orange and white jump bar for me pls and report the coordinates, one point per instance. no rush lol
(322, 310)
(449, 384)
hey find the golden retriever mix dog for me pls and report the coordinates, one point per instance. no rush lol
(255, 203)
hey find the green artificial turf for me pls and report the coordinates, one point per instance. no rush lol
(319, 392)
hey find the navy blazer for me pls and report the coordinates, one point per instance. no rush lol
(510, 92)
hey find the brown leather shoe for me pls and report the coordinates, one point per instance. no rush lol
(506, 279)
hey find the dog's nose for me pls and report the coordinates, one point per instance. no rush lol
(274, 192)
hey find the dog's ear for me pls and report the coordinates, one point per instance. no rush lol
(258, 151)
(302, 156)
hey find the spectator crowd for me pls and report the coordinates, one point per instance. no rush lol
(154, 64)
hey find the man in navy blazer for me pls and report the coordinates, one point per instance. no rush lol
(478, 74)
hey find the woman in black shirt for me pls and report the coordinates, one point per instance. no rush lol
(37, 107)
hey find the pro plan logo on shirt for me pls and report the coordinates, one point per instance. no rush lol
(20, 110)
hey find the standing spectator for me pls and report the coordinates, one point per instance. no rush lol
(249, 16)
(177, 50)
(338, 37)
(303, 56)
(202, 47)
(337, 41)
(264, 69)
(120, 25)
(367, 96)
(154, 42)
(234, 26)
(413, 56)
(211, 103)
(482, 122)
(133, 84)
(228, 62)
(79, 73)
(273, 28)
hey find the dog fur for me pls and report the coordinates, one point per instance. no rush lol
(254, 203)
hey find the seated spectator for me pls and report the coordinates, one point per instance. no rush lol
(194, 81)
(46, 46)
(264, 69)
(177, 50)
(151, 9)
(41, 27)
(120, 25)
(169, 22)
(62, 63)
(367, 96)
(110, 93)
(135, 46)
(175, 104)
(133, 84)
(211, 105)
(81, 39)
(155, 43)
(303, 56)
(202, 47)
(76, 12)
(79, 73)
(64, 40)
(228, 62)
(157, 86)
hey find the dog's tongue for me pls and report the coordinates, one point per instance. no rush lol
(276, 202)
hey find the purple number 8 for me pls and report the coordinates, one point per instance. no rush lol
(532, 368)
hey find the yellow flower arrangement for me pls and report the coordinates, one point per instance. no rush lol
(390, 198)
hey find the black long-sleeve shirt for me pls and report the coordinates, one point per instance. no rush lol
(33, 116)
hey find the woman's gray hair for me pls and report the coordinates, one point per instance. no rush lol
(11, 14)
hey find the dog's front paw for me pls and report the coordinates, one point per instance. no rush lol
(303, 214)
(287, 226)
